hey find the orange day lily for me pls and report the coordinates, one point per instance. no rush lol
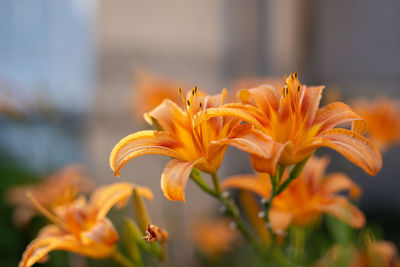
(291, 117)
(189, 138)
(58, 189)
(383, 120)
(80, 226)
(306, 198)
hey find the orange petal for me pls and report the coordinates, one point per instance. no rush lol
(168, 114)
(248, 139)
(279, 220)
(259, 184)
(142, 143)
(337, 182)
(268, 165)
(310, 103)
(350, 144)
(105, 197)
(174, 178)
(340, 208)
(51, 237)
(336, 113)
(230, 112)
(264, 97)
(103, 232)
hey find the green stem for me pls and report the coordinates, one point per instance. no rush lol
(215, 180)
(198, 179)
(294, 173)
(275, 180)
(122, 259)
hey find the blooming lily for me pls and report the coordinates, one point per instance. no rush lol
(383, 120)
(306, 198)
(58, 189)
(190, 139)
(291, 117)
(81, 226)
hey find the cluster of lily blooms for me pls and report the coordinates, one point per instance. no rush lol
(279, 127)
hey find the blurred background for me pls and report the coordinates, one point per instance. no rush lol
(67, 86)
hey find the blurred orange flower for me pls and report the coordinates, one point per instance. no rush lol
(374, 254)
(81, 226)
(383, 120)
(213, 237)
(307, 197)
(58, 189)
(291, 117)
(150, 91)
(190, 137)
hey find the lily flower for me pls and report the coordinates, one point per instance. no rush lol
(306, 198)
(291, 117)
(383, 120)
(190, 139)
(80, 226)
(58, 189)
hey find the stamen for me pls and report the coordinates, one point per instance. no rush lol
(298, 89)
(200, 105)
(284, 79)
(42, 209)
(193, 91)
(188, 103)
(195, 88)
(296, 75)
(180, 90)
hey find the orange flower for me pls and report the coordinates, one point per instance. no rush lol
(292, 118)
(307, 197)
(383, 120)
(190, 137)
(80, 226)
(374, 254)
(213, 237)
(58, 189)
(150, 91)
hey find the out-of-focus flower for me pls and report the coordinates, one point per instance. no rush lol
(150, 91)
(383, 120)
(307, 197)
(58, 189)
(80, 226)
(155, 233)
(191, 137)
(374, 254)
(291, 117)
(213, 237)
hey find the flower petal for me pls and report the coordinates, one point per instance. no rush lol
(174, 178)
(310, 102)
(268, 165)
(350, 144)
(105, 197)
(51, 237)
(337, 182)
(340, 208)
(142, 143)
(259, 184)
(336, 113)
(279, 220)
(168, 115)
(265, 97)
(103, 232)
(244, 137)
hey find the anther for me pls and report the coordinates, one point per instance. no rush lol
(195, 88)
(201, 105)
(188, 103)
(193, 91)
(298, 88)
(296, 74)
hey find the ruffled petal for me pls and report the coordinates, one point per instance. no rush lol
(310, 102)
(350, 144)
(259, 184)
(337, 182)
(143, 143)
(265, 97)
(336, 113)
(340, 208)
(103, 232)
(105, 197)
(174, 178)
(268, 165)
